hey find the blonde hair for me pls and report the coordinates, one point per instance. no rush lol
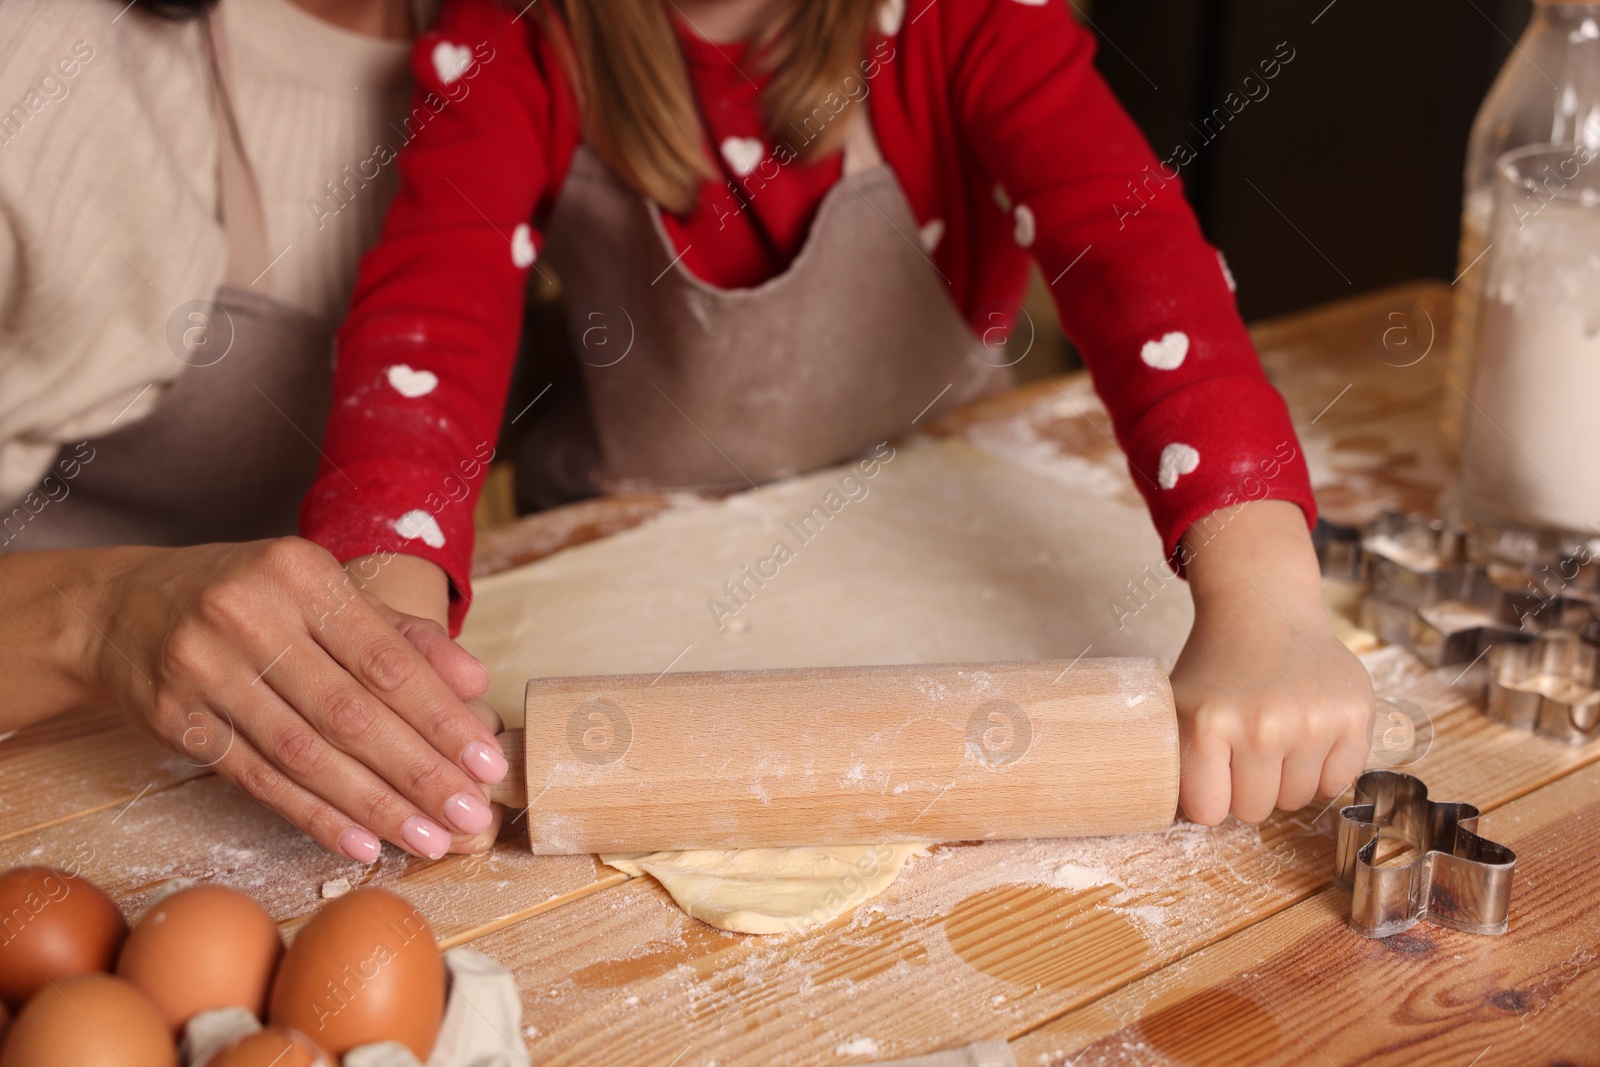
(640, 110)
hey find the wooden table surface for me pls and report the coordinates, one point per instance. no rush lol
(1198, 946)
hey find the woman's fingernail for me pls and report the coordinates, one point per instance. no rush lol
(468, 813)
(425, 837)
(360, 845)
(486, 762)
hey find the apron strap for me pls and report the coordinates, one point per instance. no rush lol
(239, 197)
(861, 152)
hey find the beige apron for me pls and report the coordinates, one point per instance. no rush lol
(682, 385)
(231, 449)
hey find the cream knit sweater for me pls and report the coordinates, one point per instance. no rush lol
(108, 194)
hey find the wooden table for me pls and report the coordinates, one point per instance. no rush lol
(1200, 946)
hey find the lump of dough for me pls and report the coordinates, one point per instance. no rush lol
(771, 890)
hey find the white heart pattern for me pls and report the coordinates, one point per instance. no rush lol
(412, 383)
(522, 251)
(418, 525)
(1026, 229)
(1227, 275)
(450, 61)
(931, 233)
(1176, 460)
(742, 154)
(1033, 3)
(891, 14)
(1167, 353)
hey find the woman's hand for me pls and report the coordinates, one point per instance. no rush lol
(1273, 710)
(267, 663)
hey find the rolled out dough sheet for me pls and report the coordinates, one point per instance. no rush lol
(953, 555)
(948, 554)
(771, 890)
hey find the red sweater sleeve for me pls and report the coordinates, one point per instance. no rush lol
(425, 357)
(1145, 298)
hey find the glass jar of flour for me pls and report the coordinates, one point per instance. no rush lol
(1530, 454)
(1548, 92)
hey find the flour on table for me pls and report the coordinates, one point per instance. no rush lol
(1072, 876)
(857, 1046)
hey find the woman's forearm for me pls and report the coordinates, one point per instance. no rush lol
(51, 613)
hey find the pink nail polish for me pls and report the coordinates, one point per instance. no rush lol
(486, 762)
(425, 837)
(360, 845)
(468, 813)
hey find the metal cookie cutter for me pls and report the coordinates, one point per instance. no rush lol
(1424, 593)
(1551, 686)
(1459, 879)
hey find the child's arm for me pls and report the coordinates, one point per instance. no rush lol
(1273, 707)
(426, 354)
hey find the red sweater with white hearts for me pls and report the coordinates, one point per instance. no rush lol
(1007, 144)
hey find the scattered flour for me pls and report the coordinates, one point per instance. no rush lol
(858, 1046)
(1072, 876)
(1168, 885)
(1032, 439)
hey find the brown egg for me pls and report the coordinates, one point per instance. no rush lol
(53, 924)
(93, 1020)
(272, 1047)
(364, 969)
(200, 948)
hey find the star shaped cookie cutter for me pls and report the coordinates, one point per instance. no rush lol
(1458, 880)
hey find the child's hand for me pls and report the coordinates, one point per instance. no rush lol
(1272, 709)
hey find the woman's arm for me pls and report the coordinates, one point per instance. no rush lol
(266, 663)
(47, 600)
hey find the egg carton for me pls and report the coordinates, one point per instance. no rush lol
(482, 1024)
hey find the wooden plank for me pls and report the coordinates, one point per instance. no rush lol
(973, 942)
(83, 761)
(533, 537)
(1363, 379)
(1302, 988)
(209, 831)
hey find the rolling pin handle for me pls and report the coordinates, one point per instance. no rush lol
(512, 790)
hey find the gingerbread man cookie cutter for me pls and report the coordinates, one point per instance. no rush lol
(1458, 879)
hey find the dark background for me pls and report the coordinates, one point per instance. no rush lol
(1360, 143)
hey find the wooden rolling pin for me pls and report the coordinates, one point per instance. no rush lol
(844, 755)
